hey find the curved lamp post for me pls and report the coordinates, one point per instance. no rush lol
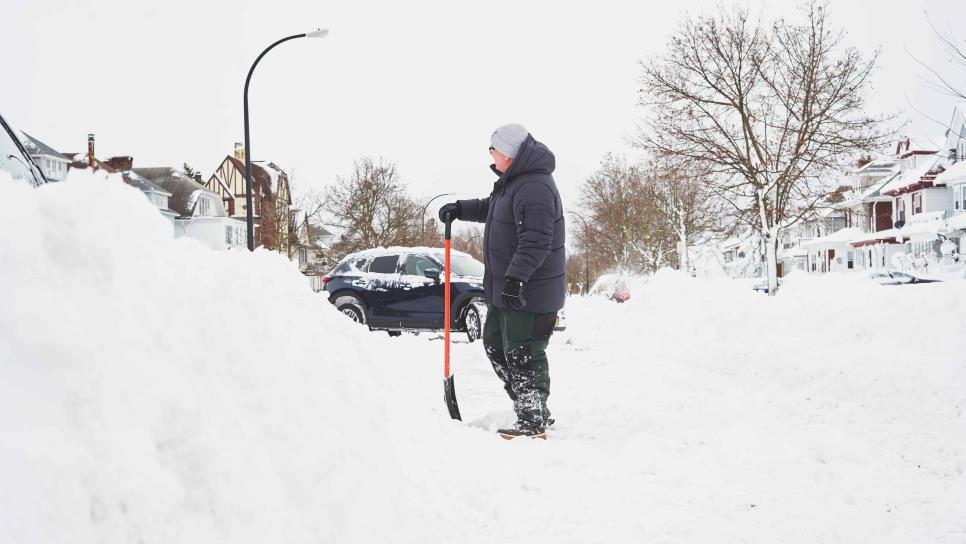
(422, 214)
(250, 216)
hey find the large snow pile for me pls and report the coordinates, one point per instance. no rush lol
(153, 390)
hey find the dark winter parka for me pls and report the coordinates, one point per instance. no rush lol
(524, 233)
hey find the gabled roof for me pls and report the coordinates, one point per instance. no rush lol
(36, 147)
(134, 180)
(184, 190)
(260, 176)
(908, 146)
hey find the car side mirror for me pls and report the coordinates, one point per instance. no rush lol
(432, 273)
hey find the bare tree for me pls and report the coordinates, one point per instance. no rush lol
(769, 109)
(681, 193)
(372, 208)
(618, 225)
(306, 213)
(470, 240)
(956, 54)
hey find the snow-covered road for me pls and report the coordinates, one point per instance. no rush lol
(702, 412)
(154, 391)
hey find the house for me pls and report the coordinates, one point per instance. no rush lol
(51, 162)
(741, 255)
(201, 214)
(310, 249)
(954, 177)
(271, 197)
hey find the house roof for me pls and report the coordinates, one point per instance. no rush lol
(841, 236)
(184, 190)
(134, 180)
(954, 174)
(925, 173)
(36, 147)
(267, 178)
(872, 192)
(927, 229)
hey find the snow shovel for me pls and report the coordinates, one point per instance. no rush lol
(449, 386)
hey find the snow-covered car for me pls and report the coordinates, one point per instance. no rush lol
(401, 288)
(15, 160)
(762, 286)
(893, 277)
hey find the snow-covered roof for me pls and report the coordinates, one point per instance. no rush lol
(953, 175)
(957, 221)
(917, 230)
(912, 176)
(841, 236)
(184, 190)
(36, 147)
(402, 249)
(145, 184)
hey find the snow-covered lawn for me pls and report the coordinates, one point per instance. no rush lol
(154, 391)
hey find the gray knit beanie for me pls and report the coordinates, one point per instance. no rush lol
(508, 138)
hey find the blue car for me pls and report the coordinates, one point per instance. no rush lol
(397, 289)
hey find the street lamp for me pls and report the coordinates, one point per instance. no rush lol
(422, 215)
(317, 33)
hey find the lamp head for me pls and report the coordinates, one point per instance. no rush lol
(317, 33)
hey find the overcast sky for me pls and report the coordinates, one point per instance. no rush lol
(419, 83)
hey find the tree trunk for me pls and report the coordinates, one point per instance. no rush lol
(771, 257)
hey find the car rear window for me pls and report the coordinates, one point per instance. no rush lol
(352, 264)
(385, 264)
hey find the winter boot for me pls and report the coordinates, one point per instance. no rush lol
(523, 428)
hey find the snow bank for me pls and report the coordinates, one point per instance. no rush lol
(152, 390)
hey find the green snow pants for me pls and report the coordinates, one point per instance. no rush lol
(516, 343)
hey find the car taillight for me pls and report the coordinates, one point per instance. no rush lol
(325, 280)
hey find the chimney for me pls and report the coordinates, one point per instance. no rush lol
(198, 178)
(239, 151)
(90, 150)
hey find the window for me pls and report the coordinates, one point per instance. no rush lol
(228, 235)
(957, 196)
(417, 264)
(202, 206)
(851, 259)
(385, 264)
(916, 203)
(303, 256)
(900, 210)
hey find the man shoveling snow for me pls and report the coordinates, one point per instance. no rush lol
(524, 281)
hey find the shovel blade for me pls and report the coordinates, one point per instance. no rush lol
(449, 394)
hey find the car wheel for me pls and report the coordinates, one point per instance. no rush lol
(351, 307)
(474, 326)
(394, 333)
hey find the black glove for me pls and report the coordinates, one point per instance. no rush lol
(453, 209)
(513, 294)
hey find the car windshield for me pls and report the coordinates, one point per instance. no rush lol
(12, 159)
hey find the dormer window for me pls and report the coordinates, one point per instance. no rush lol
(203, 207)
